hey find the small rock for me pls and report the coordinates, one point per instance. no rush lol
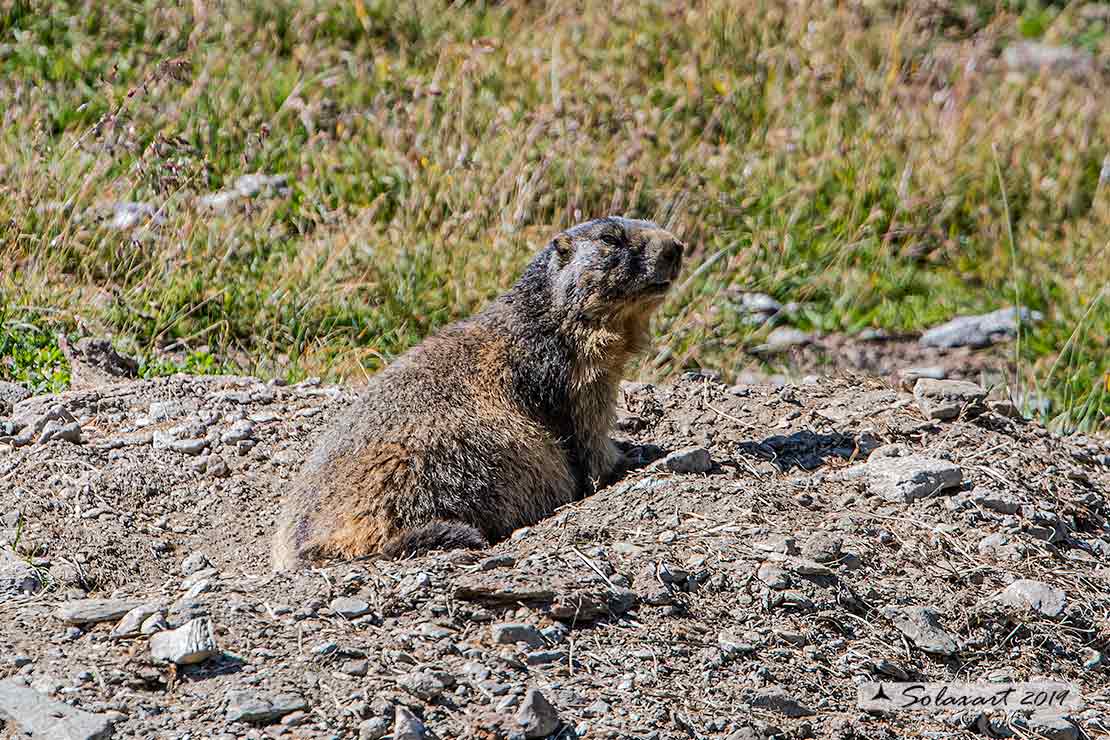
(1093, 659)
(689, 460)
(217, 467)
(426, 685)
(127, 215)
(91, 611)
(777, 700)
(374, 728)
(512, 633)
(921, 625)
(132, 622)
(193, 642)
(154, 623)
(1048, 725)
(194, 562)
(1034, 56)
(773, 576)
(349, 608)
(536, 717)
(240, 431)
(42, 717)
(909, 376)
(1001, 546)
(947, 399)
(246, 706)
(978, 331)
(1036, 596)
(822, 548)
(406, 726)
(905, 479)
(783, 338)
(732, 646)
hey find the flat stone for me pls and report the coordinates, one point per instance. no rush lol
(689, 460)
(508, 633)
(947, 399)
(406, 725)
(906, 479)
(978, 331)
(91, 611)
(42, 717)
(246, 706)
(536, 718)
(921, 625)
(1048, 725)
(349, 607)
(778, 700)
(192, 642)
(1036, 596)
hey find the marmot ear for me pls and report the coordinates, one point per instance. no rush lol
(564, 247)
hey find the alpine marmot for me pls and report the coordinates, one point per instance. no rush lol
(495, 421)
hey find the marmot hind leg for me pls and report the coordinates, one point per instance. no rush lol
(441, 534)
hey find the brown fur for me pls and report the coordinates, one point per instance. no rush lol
(496, 421)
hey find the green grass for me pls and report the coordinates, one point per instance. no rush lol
(841, 157)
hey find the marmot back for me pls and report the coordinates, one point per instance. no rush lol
(495, 421)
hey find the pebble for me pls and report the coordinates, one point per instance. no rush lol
(947, 399)
(238, 432)
(426, 685)
(511, 633)
(406, 726)
(822, 548)
(778, 700)
(773, 576)
(217, 467)
(132, 622)
(921, 625)
(349, 607)
(246, 706)
(689, 460)
(1035, 596)
(732, 646)
(193, 642)
(375, 728)
(154, 623)
(194, 562)
(1001, 546)
(536, 717)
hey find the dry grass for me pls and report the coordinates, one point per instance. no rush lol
(840, 155)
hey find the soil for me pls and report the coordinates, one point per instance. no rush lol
(747, 600)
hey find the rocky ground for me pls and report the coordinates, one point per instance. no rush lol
(773, 548)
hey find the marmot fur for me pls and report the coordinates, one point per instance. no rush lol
(495, 421)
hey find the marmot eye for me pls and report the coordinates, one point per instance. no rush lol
(611, 239)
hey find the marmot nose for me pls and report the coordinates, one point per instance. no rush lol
(671, 254)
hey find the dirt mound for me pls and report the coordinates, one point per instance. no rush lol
(772, 549)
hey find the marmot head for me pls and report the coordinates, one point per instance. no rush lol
(612, 268)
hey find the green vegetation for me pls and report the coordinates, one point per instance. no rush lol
(852, 157)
